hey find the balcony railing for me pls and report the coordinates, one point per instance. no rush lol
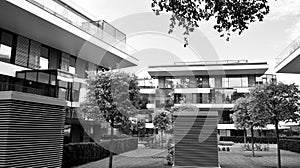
(289, 50)
(98, 29)
(26, 89)
(211, 62)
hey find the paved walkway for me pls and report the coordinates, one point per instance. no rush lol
(140, 158)
(236, 158)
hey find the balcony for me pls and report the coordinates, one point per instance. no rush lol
(56, 24)
(216, 96)
(28, 87)
(288, 60)
(99, 29)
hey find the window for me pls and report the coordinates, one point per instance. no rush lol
(54, 59)
(225, 83)
(212, 83)
(169, 82)
(32, 76)
(81, 68)
(199, 82)
(6, 46)
(72, 65)
(234, 82)
(43, 77)
(244, 81)
(192, 83)
(44, 58)
(258, 80)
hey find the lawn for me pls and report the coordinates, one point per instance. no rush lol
(236, 158)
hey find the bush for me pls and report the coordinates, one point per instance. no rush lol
(170, 156)
(257, 147)
(240, 139)
(81, 153)
(292, 144)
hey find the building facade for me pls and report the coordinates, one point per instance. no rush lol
(46, 49)
(213, 86)
(288, 61)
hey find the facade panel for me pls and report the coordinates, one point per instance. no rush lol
(31, 133)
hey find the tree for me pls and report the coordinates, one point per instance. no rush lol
(278, 102)
(230, 15)
(247, 116)
(111, 96)
(162, 122)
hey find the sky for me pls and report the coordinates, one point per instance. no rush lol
(147, 33)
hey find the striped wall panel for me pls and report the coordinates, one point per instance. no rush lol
(188, 150)
(34, 55)
(65, 62)
(22, 51)
(31, 134)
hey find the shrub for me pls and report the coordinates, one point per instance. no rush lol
(240, 139)
(290, 144)
(80, 153)
(170, 156)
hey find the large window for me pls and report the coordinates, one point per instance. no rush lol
(212, 83)
(225, 96)
(44, 58)
(72, 66)
(6, 46)
(234, 82)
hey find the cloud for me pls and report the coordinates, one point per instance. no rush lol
(281, 9)
(286, 11)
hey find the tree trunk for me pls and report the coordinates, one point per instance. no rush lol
(111, 145)
(252, 141)
(161, 138)
(245, 136)
(277, 139)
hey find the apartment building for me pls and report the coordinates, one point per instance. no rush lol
(288, 61)
(210, 86)
(46, 48)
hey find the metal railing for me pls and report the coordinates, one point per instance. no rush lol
(98, 29)
(211, 62)
(289, 50)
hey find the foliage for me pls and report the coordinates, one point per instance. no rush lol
(171, 155)
(277, 102)
(81, 153)
(258, 147)
(246, 114)
(240, 139)
(162, 120)
(111, 96)
(290, 145)
(116, 94)
(230, 15)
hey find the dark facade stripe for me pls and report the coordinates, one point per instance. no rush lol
(188, 150)
(31, 134)
(34, 55)
(22, 51)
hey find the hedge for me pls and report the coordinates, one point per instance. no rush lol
(265, 140)
(240, 139)
(80, 153)
(290, 145)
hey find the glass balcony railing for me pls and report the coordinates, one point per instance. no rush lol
(289, 50)
(49, 92)
(98, 29)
